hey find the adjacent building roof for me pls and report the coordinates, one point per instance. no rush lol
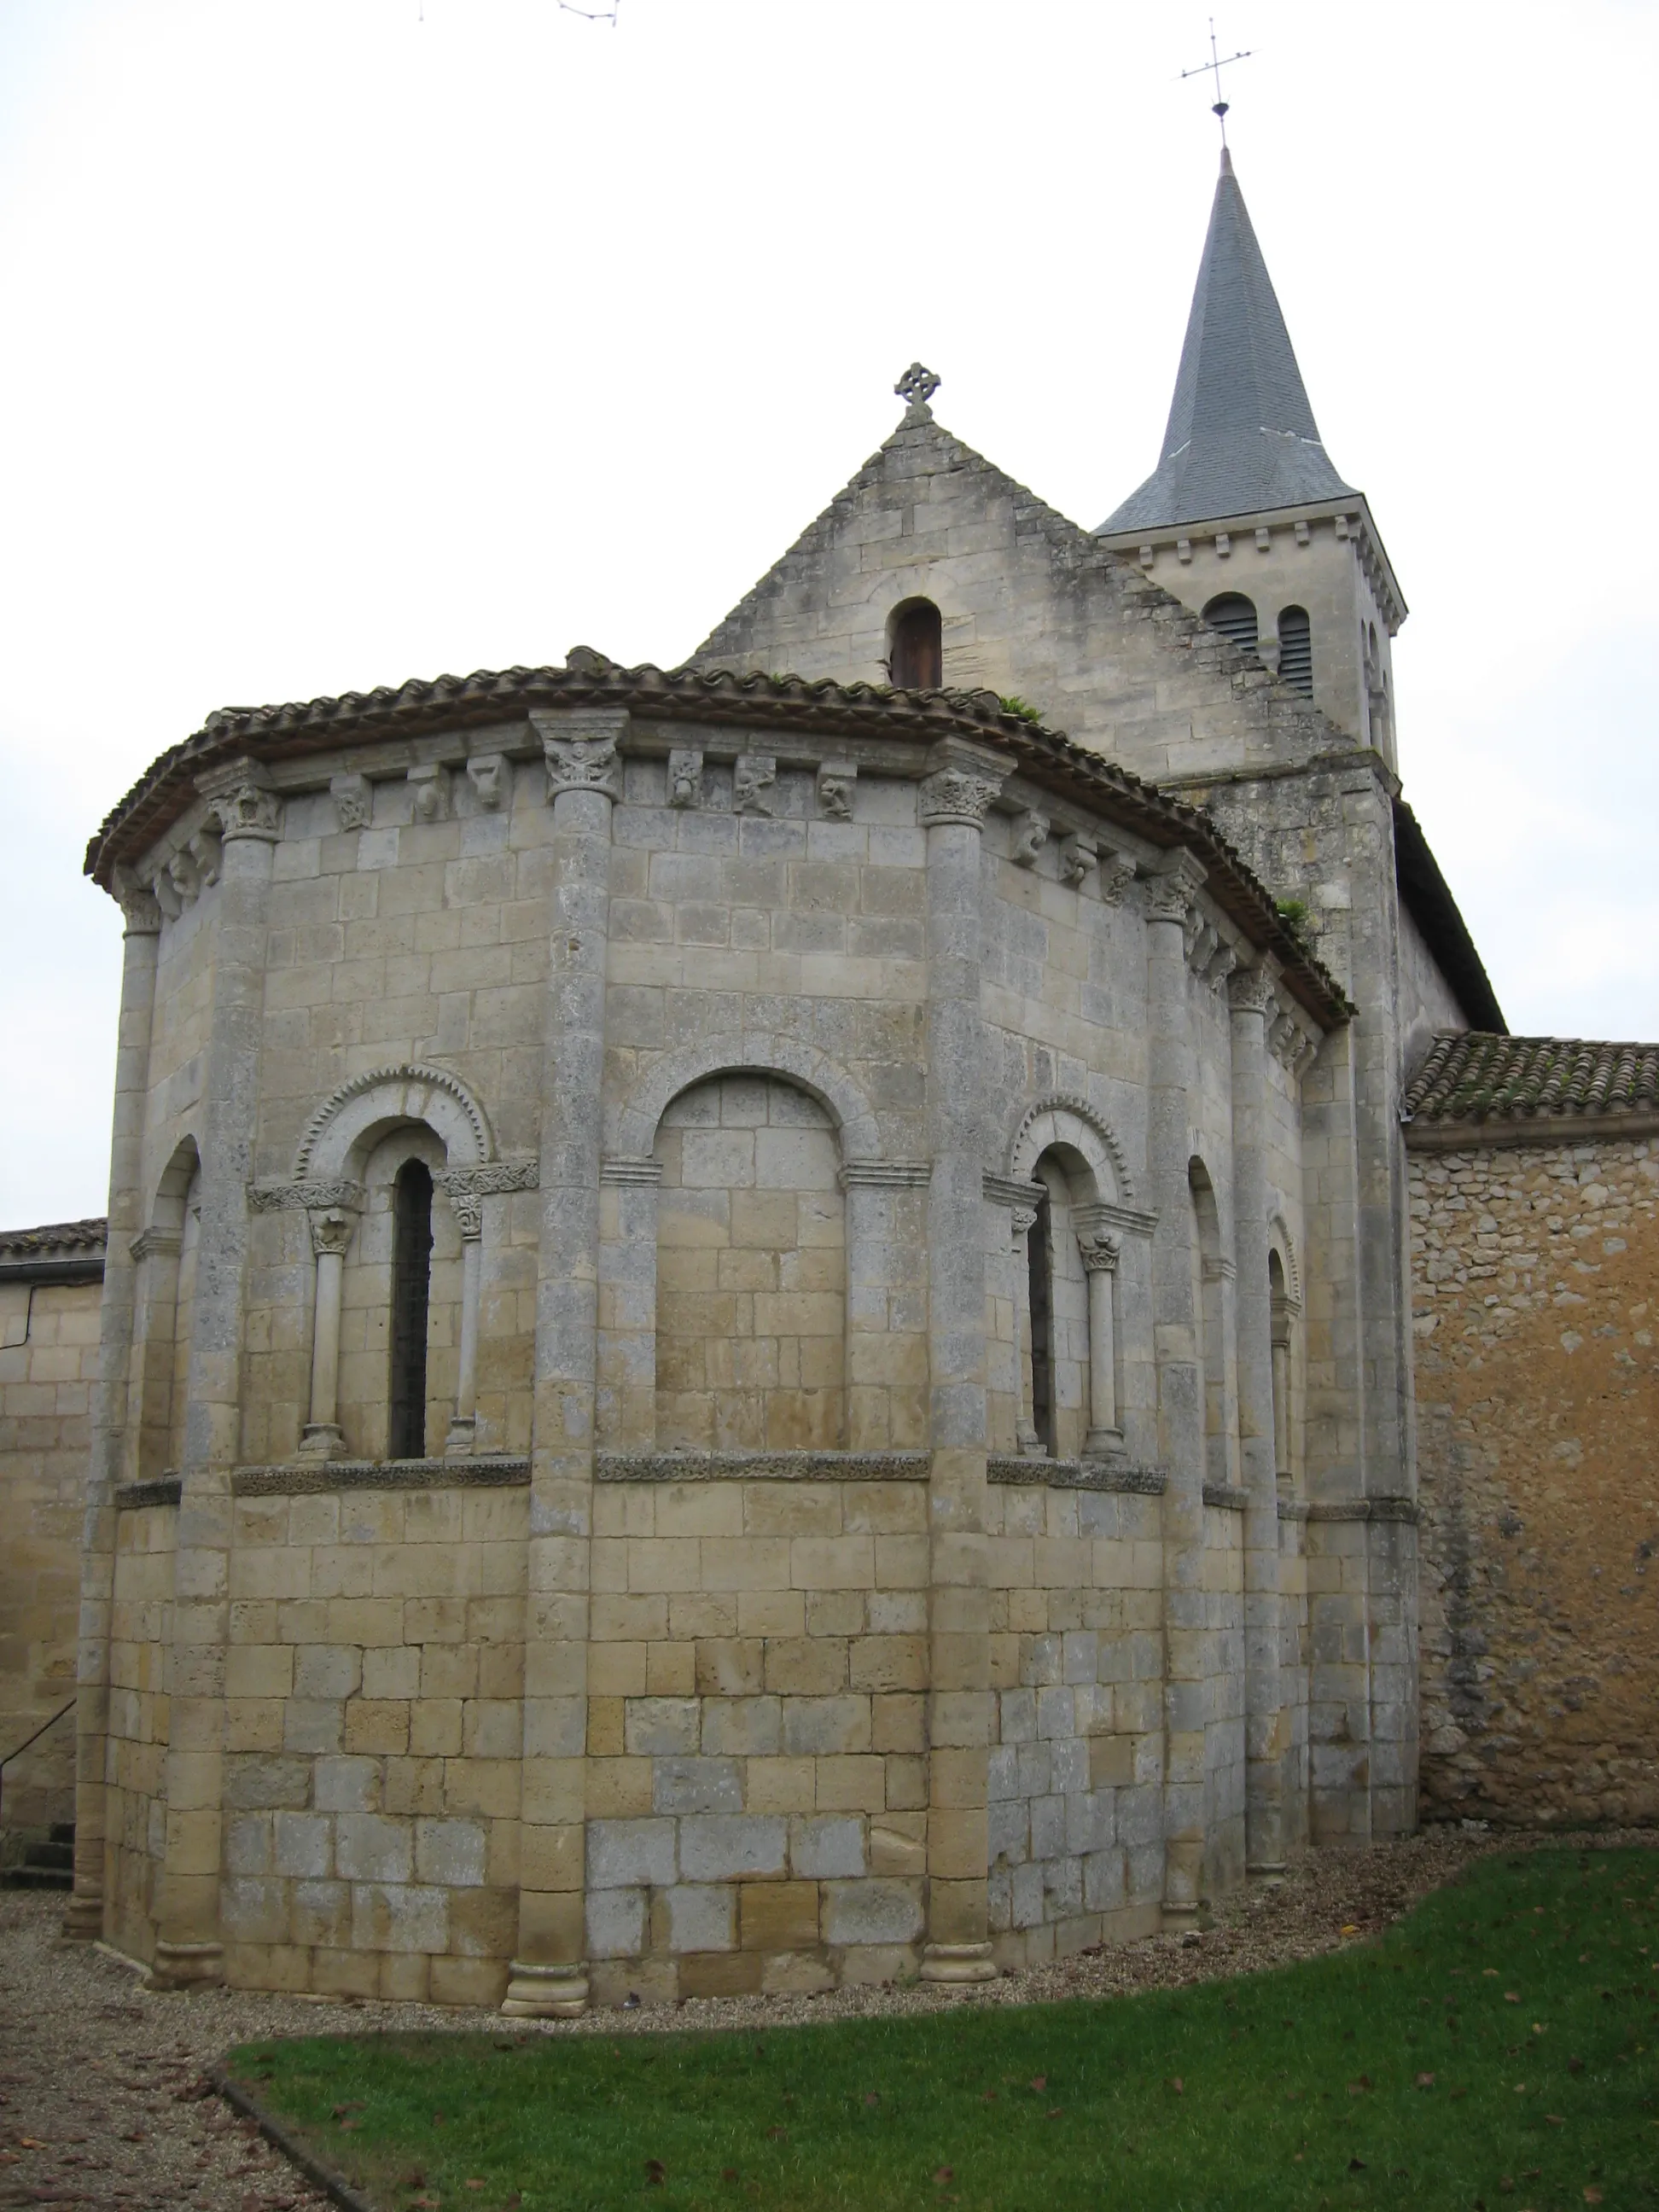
(1242, 437)
(58, 1251)
(1428, 898)
(776, 704)
(1536, 1085)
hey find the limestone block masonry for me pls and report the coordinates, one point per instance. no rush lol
(679, 1413)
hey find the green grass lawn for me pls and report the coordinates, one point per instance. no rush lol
(1497, 2048)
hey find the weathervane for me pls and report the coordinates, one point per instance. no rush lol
(1214, 67)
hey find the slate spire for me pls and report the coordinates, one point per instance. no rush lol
(1242, 438)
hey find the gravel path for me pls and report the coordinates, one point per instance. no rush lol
(103, 2101)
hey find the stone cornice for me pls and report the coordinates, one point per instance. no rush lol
(1363, 1509)
(1009, 1471)
(132, 1497)
(762, 1467)
(1541, 1131)
(286, 737)
(294, 1478)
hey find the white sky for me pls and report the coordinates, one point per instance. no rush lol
(345, 347)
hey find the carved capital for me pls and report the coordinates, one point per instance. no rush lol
(354, 800)
(467, 1207)
(162, 1242)
(582, 750)
(956, 794)
(1099, 1251)
(685, 776)
(1078, 854)
(1251, 991)
(1022, 1220)
(753, 778)
(835, 779)
(491, 778)
(1028, 837)
(428, 793)
(241, 801)
(332, 1229)
(1171, 892)
(141, 910)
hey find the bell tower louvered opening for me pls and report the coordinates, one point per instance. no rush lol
(1234, 615)
(1296, 649)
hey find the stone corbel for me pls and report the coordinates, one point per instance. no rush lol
(1078, 854)
(1027, 838)
(754, 777)
(165, 892)
(354, 800)
(1202, 943)
(1223, 961)
(1117, 872)
(428, 793)
(582, 750)
(182, 875)
(685, 776)
(206, 850)
(490, 776)
(835, 779)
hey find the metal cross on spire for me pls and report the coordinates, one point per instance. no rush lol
(1214, 67)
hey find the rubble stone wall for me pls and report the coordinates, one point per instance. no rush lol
(1536, 1301)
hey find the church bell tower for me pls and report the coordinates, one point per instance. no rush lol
(1245, 519)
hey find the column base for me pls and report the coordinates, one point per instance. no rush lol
(958, 1962)
(186, 1967)
(1030, 1444)
(1266, 1869)
(322, 1440)
(545, 1992)
(1182, 1915)
(83, 1917)
(463, 1431)
(1105, 1444)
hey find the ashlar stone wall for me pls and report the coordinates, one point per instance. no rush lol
(48, 1364)
(1533, 1273)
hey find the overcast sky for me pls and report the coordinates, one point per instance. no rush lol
(345, 346)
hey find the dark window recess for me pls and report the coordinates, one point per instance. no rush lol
(918, 656)
(411, 1285)
(1037, 1238)
(1234, 615)
(1296, 649)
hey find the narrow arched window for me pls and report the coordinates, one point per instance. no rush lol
(1280, 1305)
(1234, 615)
(1039, 1260)
(411, 1285)
(1296, 649)
(916, 647)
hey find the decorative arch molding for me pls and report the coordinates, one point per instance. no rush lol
(340, 1134)
(1065, 1121)
(1280, 1240)
(631, 1130)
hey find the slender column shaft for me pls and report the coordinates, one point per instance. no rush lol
(188, 1948)
(326, 1346)
(954, 799)
(1027, 1441)
(1180, 1382)
(1100, 1255)
(466, 1377)
(85, 1915)
(1266, 1735)
(548, 1976)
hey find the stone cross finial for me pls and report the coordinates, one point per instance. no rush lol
(917, 385)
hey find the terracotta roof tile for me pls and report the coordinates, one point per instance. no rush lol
(1478, 1077)
(88, 1236)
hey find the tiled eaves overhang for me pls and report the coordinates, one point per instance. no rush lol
(1476, 1089)
(780, 704)
(58, 1252)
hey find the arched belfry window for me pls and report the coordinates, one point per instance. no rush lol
(1234, 615)
(916, 656)
(411, 1291)
(1296, 649)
